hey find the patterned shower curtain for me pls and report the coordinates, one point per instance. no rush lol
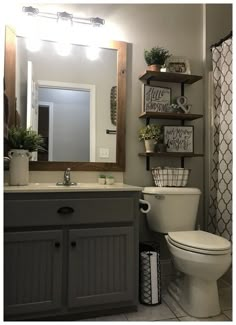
(220, 207)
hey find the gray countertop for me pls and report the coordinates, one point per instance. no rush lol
(80, 187)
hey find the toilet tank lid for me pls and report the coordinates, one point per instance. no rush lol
(171, 190)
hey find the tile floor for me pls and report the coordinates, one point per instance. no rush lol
(169, 310)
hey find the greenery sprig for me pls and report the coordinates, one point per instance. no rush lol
(27, 139)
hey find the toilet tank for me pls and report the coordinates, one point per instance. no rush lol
(172, 208)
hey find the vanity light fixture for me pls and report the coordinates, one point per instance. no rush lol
(33, 43)
(65, 22)
(64, 25)
(94, 21)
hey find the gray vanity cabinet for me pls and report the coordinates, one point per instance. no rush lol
(32, 271)
(70, 254)
(101, 266)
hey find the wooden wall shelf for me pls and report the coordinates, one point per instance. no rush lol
(170, 154)
(169, 77)
(170, 116)
(182, 79)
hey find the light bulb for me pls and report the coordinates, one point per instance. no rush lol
(64, 25)
(33, 44)
(63, 48)
(92, 52)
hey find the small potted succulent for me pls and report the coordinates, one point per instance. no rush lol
(110, 180)
(156, 57)
(102, 179)
(21, 143)
(150, 134)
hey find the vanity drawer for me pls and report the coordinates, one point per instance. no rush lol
(42, 212)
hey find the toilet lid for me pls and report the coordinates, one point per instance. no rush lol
(200, 241)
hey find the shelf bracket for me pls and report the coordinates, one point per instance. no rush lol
(182, 88)
(147, 163)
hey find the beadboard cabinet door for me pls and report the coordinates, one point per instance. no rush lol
(101, 262)
(32, 271)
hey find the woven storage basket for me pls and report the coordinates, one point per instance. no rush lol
(173, 177)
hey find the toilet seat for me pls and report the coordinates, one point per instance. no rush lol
(200, 242)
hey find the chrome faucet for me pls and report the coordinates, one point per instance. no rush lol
(67, 177)
(67, 181)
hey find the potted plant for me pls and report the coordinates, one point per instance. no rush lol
(102, 179)
(150, 134)
(110, 180)
(156, 57)
(22, 142)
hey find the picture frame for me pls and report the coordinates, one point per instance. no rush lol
(155, 98)
(178, 64)
(179, 138)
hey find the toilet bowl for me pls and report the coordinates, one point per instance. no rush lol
(200, 257)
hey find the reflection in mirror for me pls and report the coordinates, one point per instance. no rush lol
(29, 98)
(70, 101)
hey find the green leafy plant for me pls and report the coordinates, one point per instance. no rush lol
(156, 55)
(102, 176)
(110, 177)
(27, 139)
(150, 131)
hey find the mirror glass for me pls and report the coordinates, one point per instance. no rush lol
(68, 101)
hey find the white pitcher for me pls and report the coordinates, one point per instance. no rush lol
(19, 167)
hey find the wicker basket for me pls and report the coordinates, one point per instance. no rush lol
(173, 177)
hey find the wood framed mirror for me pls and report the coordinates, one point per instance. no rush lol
(119, 162)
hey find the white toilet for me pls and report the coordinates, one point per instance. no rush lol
(201, 257)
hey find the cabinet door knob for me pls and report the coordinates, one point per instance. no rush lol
(73, 244)
(57, 244)
(65, 210)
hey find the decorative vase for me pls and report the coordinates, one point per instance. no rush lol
(149, 145)
(155, 67)
(19, 167)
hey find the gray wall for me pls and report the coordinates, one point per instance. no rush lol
(218, 25)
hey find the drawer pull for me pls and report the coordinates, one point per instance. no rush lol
(57, 244)
(65, 210)
(73, 244)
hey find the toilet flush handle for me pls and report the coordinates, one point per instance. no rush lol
(144, 206)
(160, 196)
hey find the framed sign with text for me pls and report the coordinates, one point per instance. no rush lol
(155, 99)
(179, 138)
